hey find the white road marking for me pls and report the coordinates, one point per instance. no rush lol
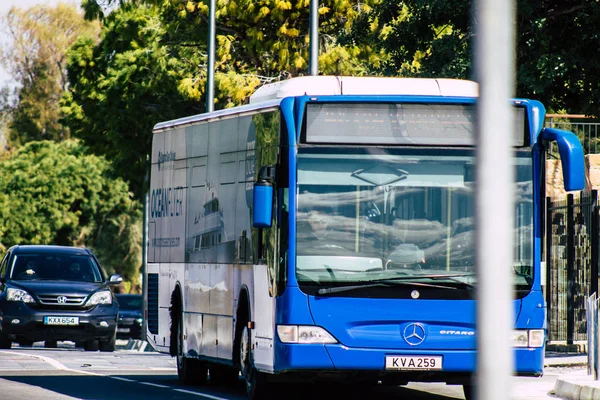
(54, 363)
(60, 366)
(122, 379)
(200, 394)
(154, 384)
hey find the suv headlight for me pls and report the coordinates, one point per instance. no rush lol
(103, 297)
(304, 334)
(13, 294)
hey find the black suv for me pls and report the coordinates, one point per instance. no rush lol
(56, 293)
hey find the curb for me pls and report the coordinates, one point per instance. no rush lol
(572, 391)
(566, 364)
(138, 345)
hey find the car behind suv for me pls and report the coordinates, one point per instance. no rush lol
(130, 316)
(56, 293)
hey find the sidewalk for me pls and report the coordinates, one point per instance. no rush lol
(577, 384)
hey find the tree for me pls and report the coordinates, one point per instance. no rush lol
(435, 39)
(35, 56)
(121, 87)
(55, 193)
(150, 66)
(421, 39)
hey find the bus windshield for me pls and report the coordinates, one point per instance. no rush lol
(398, 216)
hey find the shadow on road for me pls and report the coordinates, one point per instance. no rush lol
(116, 387)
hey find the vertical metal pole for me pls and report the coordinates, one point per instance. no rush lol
(494, 60)
(210, 65)
(596, 363)
(570, 269)
(591, 332)
(314, 38)
(595, 235)
(145, 267)
(549, 290)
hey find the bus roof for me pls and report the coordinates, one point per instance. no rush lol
(272, 93)
(365, 85)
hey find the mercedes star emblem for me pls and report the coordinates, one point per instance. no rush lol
(414, 334)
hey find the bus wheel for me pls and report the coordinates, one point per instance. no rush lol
(257, 386)
(190, 371)
(223, 375)
(468, 390)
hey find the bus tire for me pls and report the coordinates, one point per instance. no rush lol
(257, 385)
(190, 371)
(223, 375)
(469, 391)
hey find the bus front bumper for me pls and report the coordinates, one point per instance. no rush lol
(335, 360)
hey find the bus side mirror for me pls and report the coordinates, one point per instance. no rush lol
(571, 157)
(262, 198)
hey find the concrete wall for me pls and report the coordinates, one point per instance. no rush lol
(554, 177)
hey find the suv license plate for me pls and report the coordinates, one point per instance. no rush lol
(428, 363)
(61, 320)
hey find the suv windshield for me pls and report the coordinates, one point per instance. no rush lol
(49, 266)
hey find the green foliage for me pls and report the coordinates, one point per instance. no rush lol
(435, 39)
(55, 193)
(36, 115)
(554, 64)
(122, 86)
(420, 39)
(34, 55)
(150, 66)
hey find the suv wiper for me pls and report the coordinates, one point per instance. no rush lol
(399, 280)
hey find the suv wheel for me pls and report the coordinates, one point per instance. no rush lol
(91, 345)
(109, 345)
(5, 342)
(50, 344)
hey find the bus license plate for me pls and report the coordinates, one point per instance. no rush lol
(61, 320)
(429, 363)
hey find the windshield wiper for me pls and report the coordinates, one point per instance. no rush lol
(405, 281)
(450, 277)
(528, 278)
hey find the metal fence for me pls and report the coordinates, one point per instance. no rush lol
(572, 264)
(586, 128)
(593, 365)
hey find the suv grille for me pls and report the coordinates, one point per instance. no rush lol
(61, 300)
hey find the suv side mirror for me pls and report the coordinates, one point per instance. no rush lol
(115, 279)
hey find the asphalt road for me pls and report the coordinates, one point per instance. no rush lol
(68, 373)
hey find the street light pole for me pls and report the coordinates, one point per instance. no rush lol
(494, 60)
(314, 38)
(210, 65)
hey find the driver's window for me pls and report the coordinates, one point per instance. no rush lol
(4, 265)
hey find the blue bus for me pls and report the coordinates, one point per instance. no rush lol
(325, 232)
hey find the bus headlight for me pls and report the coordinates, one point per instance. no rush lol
(528, 338)
(303, 334)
